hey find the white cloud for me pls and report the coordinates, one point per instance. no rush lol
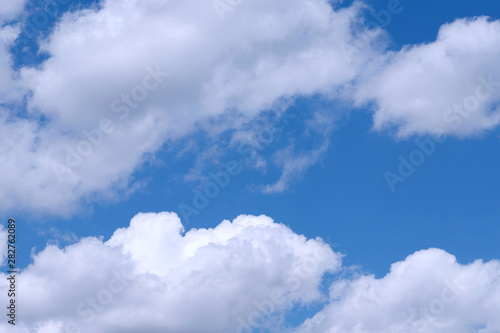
(221, 76)
(260, 56)
(293, 164)
(9, 88)
(9, 9)
(157, 278)
(154, 277)
(429, 292)
(57, 237)
(439, 86)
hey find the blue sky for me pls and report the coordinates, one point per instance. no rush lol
(449, 202)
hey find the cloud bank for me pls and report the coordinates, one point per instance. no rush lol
(242, 276)
(124, 79)
(153, 277)
(427, 292)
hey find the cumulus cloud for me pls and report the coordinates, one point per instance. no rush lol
(450, 86)
(154, 277)
(427, 292)
(247, 274)
(122, 79)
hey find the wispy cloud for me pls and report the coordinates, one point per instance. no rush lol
(294, 164)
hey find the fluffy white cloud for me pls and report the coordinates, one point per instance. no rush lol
(106, 99)
(243, 275)
(429, 292)
(450, 86)
(153, 277)
(103, 62)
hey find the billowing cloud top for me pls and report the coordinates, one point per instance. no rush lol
(150, 277)
(428, 292)
(242, 276)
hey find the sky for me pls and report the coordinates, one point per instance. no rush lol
(265, 166)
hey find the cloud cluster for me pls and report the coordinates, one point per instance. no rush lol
(153, 277)
(242, 276)
(121, 80)
(427, 292)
